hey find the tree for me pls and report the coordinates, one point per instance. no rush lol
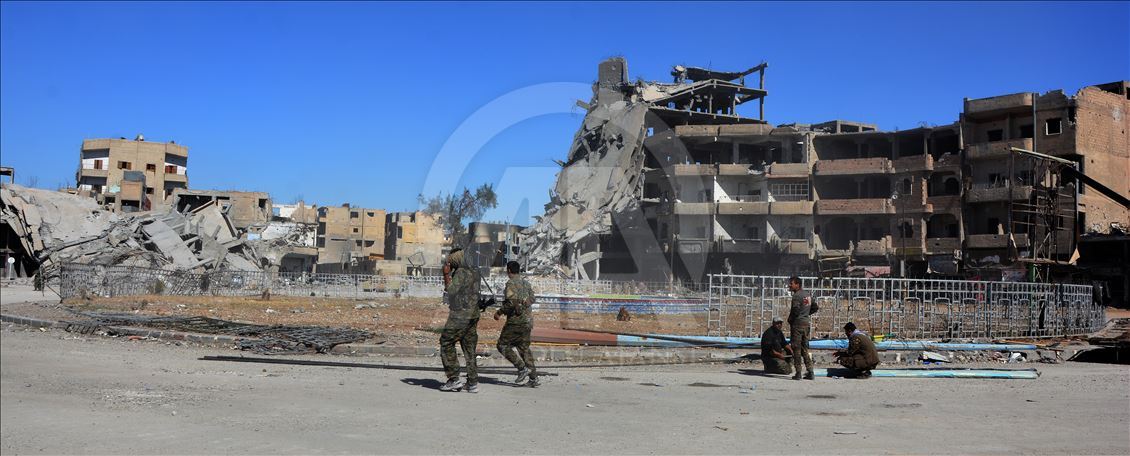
(451, 210)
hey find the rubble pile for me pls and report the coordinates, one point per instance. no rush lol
(600, 178)
(56, 228)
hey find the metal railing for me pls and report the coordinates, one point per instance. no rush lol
(912, 308)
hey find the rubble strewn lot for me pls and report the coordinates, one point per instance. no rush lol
(394, 321)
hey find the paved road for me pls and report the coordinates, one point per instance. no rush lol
(67, 394)
(12, 294)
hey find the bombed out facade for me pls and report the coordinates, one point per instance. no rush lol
(667, 181)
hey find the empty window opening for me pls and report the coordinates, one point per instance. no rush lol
(906, 230)
(124, 165)
(994, 135)
(1053, 126)
(904, 187)
(151, 167)
(354, 214)
(356, 230)
(1026, 131)
(149, 190)
(400, 232)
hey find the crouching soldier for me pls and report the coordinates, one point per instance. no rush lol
(515, 334)
(860, 355)
(774, 349)
(462, 324)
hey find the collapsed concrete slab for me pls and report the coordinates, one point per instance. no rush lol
(48, 229)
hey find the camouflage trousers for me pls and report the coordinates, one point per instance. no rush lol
(777, 366)
(466, 333)
(856, 362)
(798, 339)
(516, 338)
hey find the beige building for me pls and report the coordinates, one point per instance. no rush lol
(244, 209)
(103, 165)
(346, 234)
(415, 239)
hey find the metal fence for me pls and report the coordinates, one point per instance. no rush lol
(912, 308)
(107, 281)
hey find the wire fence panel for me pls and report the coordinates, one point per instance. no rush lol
(744, 306)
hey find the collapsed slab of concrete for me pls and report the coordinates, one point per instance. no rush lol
(46, 229)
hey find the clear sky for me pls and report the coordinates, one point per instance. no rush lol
(353, 102)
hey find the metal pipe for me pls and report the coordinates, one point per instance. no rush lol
(1029, 374)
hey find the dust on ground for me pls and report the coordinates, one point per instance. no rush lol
(395, 321)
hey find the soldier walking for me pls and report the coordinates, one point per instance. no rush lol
(462, 324)
(515, 336)
(800, 327)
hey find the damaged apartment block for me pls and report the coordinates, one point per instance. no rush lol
(669, 181)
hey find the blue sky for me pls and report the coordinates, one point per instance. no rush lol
(352, 102)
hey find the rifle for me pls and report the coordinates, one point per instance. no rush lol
(491, 301)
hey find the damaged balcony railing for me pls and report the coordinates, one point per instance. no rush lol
(911, 308)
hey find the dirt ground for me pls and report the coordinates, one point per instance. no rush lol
(69, 394)
(395, 321)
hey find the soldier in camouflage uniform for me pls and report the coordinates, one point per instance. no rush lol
(462, 324)
(800, 325)
(515, 334)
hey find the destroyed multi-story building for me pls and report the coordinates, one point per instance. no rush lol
(414, 242)
(668, 181)
(131, 175)
(244, 209)
(347, 235)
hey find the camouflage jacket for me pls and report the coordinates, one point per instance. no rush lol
(519, 298)
(463, 294)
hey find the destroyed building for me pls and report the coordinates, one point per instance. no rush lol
(131, 175)
(415, 244)
(668, 181)
(42, 230)
(244, 209)
(349, 238)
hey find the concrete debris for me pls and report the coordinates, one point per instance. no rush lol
(55, 228)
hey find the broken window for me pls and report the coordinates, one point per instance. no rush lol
(151, 167)
(262, 203)
(1027, 131)
(369, 243)
(906, 230)
(994, 135)
(124, 165)
(1053, 126)
(370, 214)
(904, 187)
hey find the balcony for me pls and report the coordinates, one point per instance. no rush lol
(791, 208)
(738, 169)
(743, 208)
(91, 172)
(913, 164)
(871, 248)
(854, 206)
(739, 245)
(789, 170)
(696, 130)
(994, 241)
(176, 150)
(996, 149)
(790, 247)
(692, 208)
(693, 170)
(944, 203)
(995, 106)
(173, 177)
(998, 193)
(942, 246)
(852, 166)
